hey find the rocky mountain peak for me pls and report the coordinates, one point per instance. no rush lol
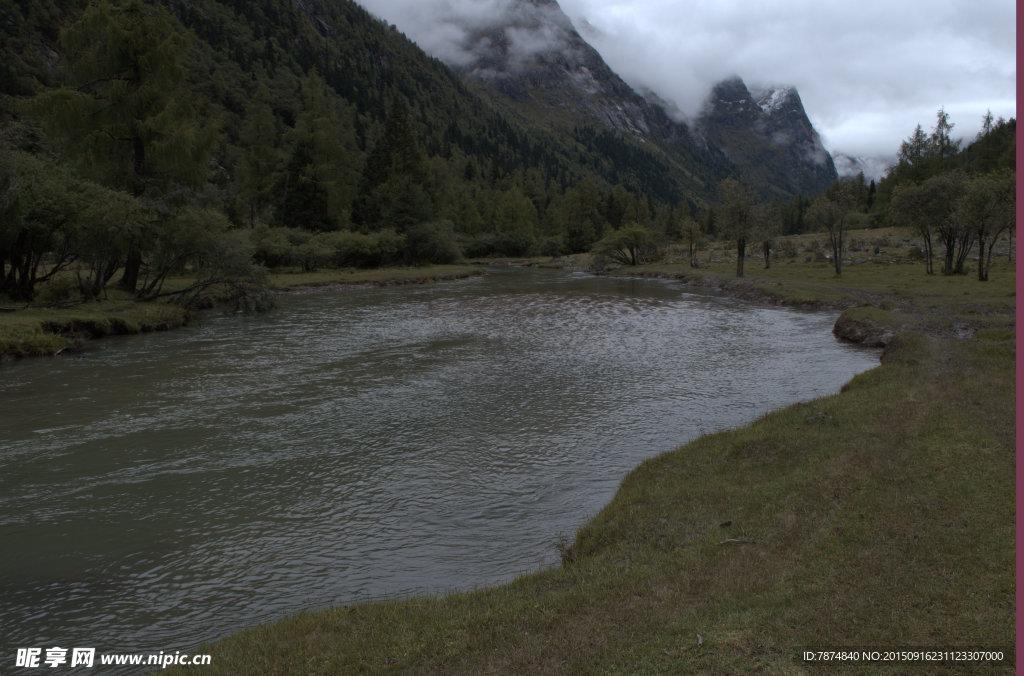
(774, 99)
(533, 55)
(731, 100)
(767, 126)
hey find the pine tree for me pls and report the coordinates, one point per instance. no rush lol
(261, 157)
(319, 182)
(915, 150)
(391, 189)
(943, 145)
(125, 109)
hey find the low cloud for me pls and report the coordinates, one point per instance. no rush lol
(867, 72)
(459, 32)
(443, 28)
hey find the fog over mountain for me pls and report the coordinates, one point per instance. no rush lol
(871, 167)
(867, 72)
(452, 30)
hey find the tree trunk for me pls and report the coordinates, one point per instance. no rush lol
(985, 262)
(947, 258)
(133, 263)
(741, 250)
(964, 243)
(132, 267)
(982, 271)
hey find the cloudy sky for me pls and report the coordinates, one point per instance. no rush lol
(867, 71)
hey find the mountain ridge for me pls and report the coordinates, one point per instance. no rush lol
(766, 131)
(533, 61)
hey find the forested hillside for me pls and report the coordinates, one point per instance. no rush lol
(143, 137)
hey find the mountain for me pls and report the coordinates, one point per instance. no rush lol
(534, 57)
(535, 63)
(768, 135)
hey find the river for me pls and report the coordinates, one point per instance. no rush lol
(161, 490)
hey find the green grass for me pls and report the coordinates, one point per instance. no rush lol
(41, 331)
(937, 304)
(292, 279)
(37, 330)
(880, 517)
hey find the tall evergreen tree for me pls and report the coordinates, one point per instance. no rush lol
(320, 177)
(391, 189)
(943, 144)
(261, 158)
(125, 108)
(916, 150)
(579, 211)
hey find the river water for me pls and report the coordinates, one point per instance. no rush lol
(161, 490)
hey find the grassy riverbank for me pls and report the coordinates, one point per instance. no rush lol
(39, 330)
(298, 279)
(42, 331)
(881, 517)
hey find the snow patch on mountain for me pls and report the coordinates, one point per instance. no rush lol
(771, 99)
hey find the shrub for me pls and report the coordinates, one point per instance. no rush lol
(316, 251)
(272, 246)
(632, 245)
(787, 248)
(552, 246)
(432, 242)
(59, 289)
(356, 249)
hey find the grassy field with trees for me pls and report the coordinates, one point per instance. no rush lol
(879, 518)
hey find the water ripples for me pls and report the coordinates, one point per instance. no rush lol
(170, 488)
